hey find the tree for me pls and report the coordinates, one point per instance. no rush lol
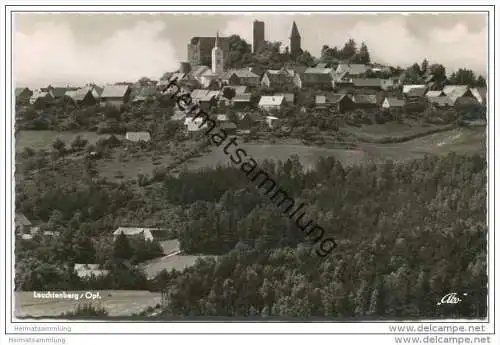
(463, 77)
(439, 72)
(122, 249)
(305, 58)
(229, 93)
(59, 146)
(481, 82)
(349, 50)
(363, 56)
(424, 66)
(79, 143)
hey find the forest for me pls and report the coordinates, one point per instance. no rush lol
(407, 234)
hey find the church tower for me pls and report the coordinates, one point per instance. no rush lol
(217, 57)
(295, 49)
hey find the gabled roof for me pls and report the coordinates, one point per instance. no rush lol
(395, 102)
(244, 97)
(197, 71)
(367, 82)
(20, 90)
(479, 93)
(331, 98)
(440, 101)
(202, 95)
(365, 99)
(59, 91)
(20, 219)
(416, 92)
(436, 93)
(131, 231)
(244, 73)
(321, 65)
(115, 91)
(352, 69)
(271, 100)
(238, 89)
(407, 88)
(455, 91)
(138, 136)
(316, 70)
(289, 97)
(80, 94)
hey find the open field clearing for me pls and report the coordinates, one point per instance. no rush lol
(460, 140)
(386, 132)
(44, 139)
(116, 302)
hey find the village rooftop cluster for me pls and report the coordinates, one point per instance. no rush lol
(339, 87)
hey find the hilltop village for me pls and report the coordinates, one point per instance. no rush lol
(116, 188)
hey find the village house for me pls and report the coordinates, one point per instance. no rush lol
(289, 97)
(318, 78)
(22, 224)
(352, 70)
(194, 124)
(148, 234)
(457, 92)
(480, 93)
(88, 271)
(339, 103)
(408, 87)
(142, 94)
(365, 101)
(115, 95)
(278, 79)
(439, 102)
(393, 103)
(374, 84)
(228, 126)
(40, 97)
(205, 98)
(81, 97)
(416, 93)
(272, 121)
(242, 77)
(22, 95)
(241, 101)
(138, 137)
(269, 103)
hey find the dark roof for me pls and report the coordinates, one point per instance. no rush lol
(227, 125)
(295, 31)
(367, 82)
(20, 90)
(365, 99)
(416, 92)
(21, 219)
(59, 91)
(331, 98)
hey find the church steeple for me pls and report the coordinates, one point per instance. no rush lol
(295, 49)
(217, 40)
(217, 57)
(295, 31)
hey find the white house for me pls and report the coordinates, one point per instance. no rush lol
(272, 102)
(138, 136)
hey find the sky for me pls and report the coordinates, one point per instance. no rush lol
(77, 48)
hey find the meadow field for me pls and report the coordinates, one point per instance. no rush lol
(116, 302)
(43, 139)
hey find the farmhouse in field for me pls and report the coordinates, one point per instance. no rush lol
(115, 95)
(456, 92)
(138, 136)
(86, 271)
(39, 97)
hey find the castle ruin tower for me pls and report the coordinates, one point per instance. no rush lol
(295, 49)
(217, 57)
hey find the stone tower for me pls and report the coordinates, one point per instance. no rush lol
(295, 49)
(217, 57)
